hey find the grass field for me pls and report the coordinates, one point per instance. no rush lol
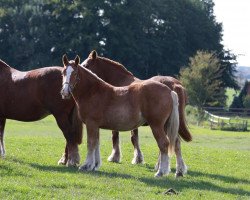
(219, 167)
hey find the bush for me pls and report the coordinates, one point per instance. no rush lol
(246, 101)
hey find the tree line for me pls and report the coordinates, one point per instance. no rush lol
(149, 37)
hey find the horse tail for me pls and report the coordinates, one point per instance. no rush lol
(76, 127)
(183, 129)
(172, 124)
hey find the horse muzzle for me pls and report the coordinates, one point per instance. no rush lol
(66, 97)
(66, 91)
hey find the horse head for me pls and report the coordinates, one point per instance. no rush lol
(70, 76)
(90, 62)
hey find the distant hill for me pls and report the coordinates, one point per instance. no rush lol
(243, 74)
(243, 71)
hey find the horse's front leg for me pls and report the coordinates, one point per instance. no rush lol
(138, 155)
(115, 155)
(64, 159)
(2, 125)
(93, 160)
(98, 160)
(71, 155)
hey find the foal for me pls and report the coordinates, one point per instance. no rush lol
(116, 74)
(102, 105)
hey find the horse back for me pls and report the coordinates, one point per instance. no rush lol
(166, 80)
(156, 100)
(31, 95)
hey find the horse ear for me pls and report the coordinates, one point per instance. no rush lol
(77, 60)
(93, 54)
(65, 60)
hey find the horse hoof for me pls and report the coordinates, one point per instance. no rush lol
(71, 164)
(114, 159)
(97, 166)
(178, 174)
(86, 167)
(138, 160)
(158, 174)
(62, 160)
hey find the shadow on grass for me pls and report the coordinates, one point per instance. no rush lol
(226, 179)
(164, 183)
(183, 183)
(11, 171)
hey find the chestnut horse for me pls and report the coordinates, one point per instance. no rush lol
(33, 95)
(102, 105)
(117, 75)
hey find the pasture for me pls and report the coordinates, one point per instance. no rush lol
(218, 161)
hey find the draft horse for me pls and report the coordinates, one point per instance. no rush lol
(33, 95)
(102, 105)
(116, 74)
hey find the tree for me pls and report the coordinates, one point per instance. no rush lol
(149, 37)
(246, 102)
(202, 79)
(241, 100)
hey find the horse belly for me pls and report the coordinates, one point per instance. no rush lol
(123, 119)
(23, 110)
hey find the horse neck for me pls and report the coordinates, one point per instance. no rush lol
(114, 74)
(88, 84)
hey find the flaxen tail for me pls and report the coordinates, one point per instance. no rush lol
(183, 129)
(76, 127)
(172, 125)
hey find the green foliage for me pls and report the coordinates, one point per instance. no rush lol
(202, 79)
(149, 37)
(217, 170)
(246, 101)
(238, 101)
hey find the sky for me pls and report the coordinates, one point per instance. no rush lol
(235, 17)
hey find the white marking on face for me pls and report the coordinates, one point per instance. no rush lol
(69, 71)
(66, 79)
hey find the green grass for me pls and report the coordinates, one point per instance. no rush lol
(218, 161)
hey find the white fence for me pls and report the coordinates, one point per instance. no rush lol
(226, 123)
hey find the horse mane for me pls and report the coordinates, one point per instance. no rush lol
(117, 65)
(91, 73)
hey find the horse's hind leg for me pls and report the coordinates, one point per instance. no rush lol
(181, 168)
(2, 125)
(138, 156)
(115, 155)
(162, 141)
